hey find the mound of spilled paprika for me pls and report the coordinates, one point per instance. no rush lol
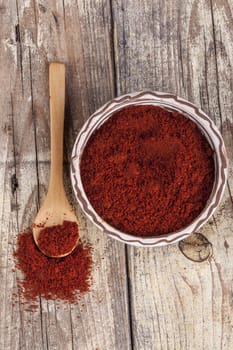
(52, 278)
(148, 171)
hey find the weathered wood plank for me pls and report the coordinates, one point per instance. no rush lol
(184, 48)
(33, 33)
(17, 181)
(222, 21)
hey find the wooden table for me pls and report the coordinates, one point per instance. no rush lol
(141, 298)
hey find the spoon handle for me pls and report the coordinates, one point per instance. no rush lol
(57, 105)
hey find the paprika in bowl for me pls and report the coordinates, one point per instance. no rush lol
(149, 168)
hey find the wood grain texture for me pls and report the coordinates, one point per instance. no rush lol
(146, 298)
(184, 48)
(34, 33)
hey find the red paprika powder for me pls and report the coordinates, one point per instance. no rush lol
(148, 171)
(52, 278)
(58, 240)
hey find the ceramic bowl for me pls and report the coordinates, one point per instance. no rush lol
(169, 102)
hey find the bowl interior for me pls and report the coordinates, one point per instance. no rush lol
(171, 103)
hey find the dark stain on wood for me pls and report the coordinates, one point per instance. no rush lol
(17, 33)
(196, 247)
(42, 8)
(2, 9)
(14, 207)
(55, 19)
(226, 245)
(14, 183)
(7, 128)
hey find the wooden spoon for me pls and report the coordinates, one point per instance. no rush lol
(56, 207)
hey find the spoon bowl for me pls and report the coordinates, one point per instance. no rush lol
(56, 207)
(53, 212)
